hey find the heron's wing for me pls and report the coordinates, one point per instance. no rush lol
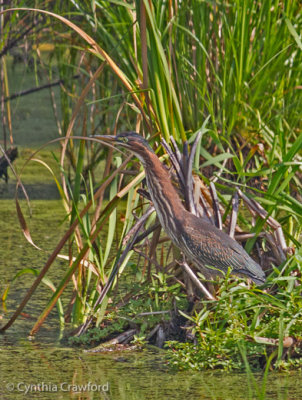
(215, 248)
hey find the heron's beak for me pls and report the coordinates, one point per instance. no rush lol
(109, 140)
(105, 138)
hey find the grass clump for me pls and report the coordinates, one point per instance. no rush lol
(262, 323)
(95, 335)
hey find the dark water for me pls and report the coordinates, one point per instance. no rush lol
(33, 122)
(47, 367)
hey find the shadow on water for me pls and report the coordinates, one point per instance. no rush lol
(36, 191)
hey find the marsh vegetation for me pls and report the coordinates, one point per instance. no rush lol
(227, 74)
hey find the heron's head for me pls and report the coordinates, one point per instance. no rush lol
(130, 141)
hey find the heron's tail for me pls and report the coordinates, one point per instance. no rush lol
(253, 271)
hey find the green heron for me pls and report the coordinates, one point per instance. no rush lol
(199, 240)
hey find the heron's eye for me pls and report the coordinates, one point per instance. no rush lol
(125, 139)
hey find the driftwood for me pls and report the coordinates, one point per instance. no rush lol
(10, 154)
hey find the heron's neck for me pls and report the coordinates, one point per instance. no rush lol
(163, 194)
